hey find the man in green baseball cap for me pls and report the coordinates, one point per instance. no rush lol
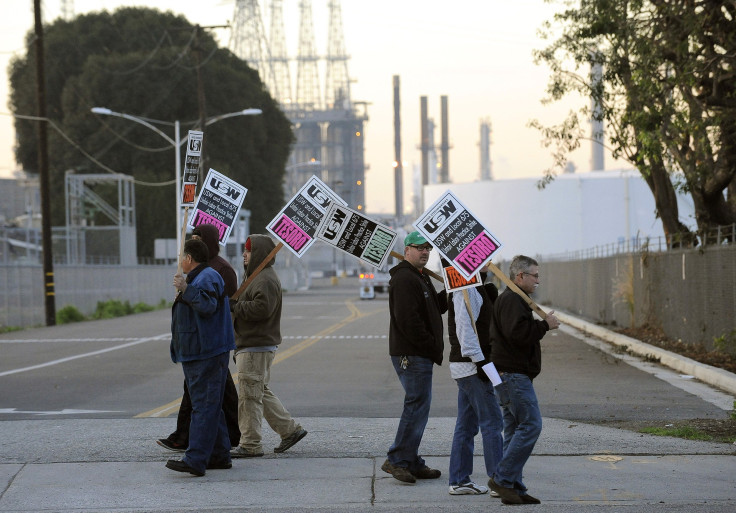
(415, 345)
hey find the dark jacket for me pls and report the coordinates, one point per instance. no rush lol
(515, 336)
(416, 314)
(201, 326)
(257, 311)
(211, 237)
(482, 325)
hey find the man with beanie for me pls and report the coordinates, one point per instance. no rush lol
(179, 439)
(201, 339)
(257, 321)
(415, 345)
(477, 407)
(517, 354)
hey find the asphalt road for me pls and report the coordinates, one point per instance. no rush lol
(81, 406)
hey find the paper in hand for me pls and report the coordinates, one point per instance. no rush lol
(492, 374)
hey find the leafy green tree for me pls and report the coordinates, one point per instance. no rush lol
(667, 96)
(141, 62)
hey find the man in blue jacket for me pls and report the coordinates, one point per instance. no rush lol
(201, 339)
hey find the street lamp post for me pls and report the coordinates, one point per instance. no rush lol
(291, 175)
(176, 142)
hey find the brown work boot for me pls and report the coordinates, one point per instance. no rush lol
(508, 495)
(426, 473)
(400, 473)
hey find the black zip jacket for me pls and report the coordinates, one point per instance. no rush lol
(416, 314)
(515, 336)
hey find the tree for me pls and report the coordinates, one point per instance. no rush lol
(667, 95)
(139, 61)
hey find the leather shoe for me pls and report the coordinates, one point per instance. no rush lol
(426, 473)
(219, 465)
(400, 473)
(528, 499)
(181, 466)
(508, 495)
(291, 440)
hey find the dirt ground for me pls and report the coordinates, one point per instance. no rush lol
(720, 430)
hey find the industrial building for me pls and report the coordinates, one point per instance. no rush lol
(328, 123)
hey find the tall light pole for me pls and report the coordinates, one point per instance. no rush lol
(176, 142)
(291, 175)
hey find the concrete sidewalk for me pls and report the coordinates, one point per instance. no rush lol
(115, 465)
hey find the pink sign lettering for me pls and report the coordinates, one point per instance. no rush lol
(290, 233)
(476, 252)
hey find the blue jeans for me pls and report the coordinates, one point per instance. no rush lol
(522, 424)
(477, 407)
(208, 435)
(417, 382)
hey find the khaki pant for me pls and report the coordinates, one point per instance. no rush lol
(256, 401)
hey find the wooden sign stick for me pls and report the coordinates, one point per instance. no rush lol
(183, 237)
(500, 275)
(257, 270)
(431, 273)
(516, 289)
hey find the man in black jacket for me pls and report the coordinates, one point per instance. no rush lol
(415, 345)
(517, 354)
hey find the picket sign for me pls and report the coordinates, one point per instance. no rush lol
(258, 269)
(498, 272)
(431, 273)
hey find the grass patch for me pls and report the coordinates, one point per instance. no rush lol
(687, 432)
(105, 310)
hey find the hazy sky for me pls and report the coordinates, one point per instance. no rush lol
(477, 52)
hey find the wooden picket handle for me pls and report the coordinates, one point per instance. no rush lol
(500, 275)
(431, 273)
(516, 289)
(258, 269)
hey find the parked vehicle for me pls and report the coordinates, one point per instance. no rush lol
(372, 282)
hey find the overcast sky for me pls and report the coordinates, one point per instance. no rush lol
(477, 52)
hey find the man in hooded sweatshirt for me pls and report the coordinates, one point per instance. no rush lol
(257, 321)
(179, 439)
(415, 344)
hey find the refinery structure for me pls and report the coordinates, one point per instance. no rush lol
(328, 124)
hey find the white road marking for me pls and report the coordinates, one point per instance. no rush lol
(61, 412)
(85, 355)
(48, 340)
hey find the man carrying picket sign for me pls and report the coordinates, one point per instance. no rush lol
(415, 345)
(257, 321)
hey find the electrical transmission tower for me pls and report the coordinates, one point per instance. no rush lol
(248, 41)
(337, 81)
(279, 54)
(67, 9)
(308, 95)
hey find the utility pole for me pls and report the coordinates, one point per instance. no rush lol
(43, 171)
(201, 99)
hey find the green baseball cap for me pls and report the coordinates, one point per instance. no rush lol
(414, 238)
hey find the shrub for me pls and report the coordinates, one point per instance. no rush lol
(69, 314)
(112, 308)
(143, 307)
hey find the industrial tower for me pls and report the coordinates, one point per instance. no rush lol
(328, 124)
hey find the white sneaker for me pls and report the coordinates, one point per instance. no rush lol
(469, 488)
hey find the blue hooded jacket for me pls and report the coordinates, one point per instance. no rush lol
(201, 326)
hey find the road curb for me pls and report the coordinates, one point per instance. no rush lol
(713, 376)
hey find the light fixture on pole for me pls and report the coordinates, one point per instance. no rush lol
(291, 174)
(176, 142)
